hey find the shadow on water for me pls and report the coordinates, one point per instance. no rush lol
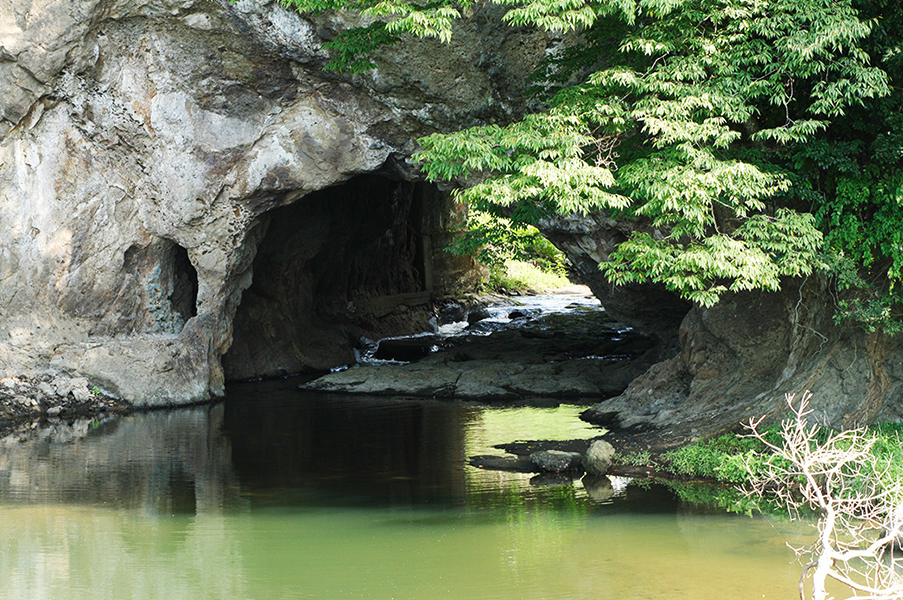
(271, 445)
(276, 493)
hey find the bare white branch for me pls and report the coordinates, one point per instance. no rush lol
(859, 503)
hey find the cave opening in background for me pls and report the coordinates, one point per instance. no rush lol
(339, 263)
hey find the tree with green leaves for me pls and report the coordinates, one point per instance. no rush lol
(735, 133)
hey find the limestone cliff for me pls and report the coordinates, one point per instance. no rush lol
(151, 149)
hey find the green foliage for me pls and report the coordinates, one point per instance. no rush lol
(725, 458)
(493, 238)
(739, 459)
(515, 275)
(749, 140)
(518, 256)
(637, 459)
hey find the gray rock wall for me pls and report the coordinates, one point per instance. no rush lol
(143, 144)
(738, 360)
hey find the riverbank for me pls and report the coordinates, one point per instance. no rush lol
(28, 402)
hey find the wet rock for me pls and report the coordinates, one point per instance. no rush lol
(556, 461)
(406, 349)
(452, 312)
(568, 356)
(598, 458)
(527, 447)
(477, 315)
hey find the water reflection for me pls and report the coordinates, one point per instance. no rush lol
(161, 462)
(271, 445)
(275, 494)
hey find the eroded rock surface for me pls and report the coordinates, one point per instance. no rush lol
(739, 358)
(145, 147)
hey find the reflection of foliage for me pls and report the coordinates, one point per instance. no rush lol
(719, 495)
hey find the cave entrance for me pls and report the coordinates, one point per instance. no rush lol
(184, 296)
(346, 261)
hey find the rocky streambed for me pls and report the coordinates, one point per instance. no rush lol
(560, 346)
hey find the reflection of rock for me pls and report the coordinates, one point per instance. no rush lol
(598, 487)
(159, 462)
(577, 355)
(556, 461)
(598, 458)
(551, 479)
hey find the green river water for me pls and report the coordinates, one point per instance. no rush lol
(278, 494)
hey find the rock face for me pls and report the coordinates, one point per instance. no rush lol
(186, 196)
(588, 240)
(180, 178)
(739, 358)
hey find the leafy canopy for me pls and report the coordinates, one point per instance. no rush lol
(691, 117)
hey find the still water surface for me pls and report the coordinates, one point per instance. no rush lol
(278, 494)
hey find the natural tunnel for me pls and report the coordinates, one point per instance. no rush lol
(350, 260)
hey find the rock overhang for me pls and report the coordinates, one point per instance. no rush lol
(142, 146)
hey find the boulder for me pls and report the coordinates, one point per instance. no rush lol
(739, 358)
(598, 458)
